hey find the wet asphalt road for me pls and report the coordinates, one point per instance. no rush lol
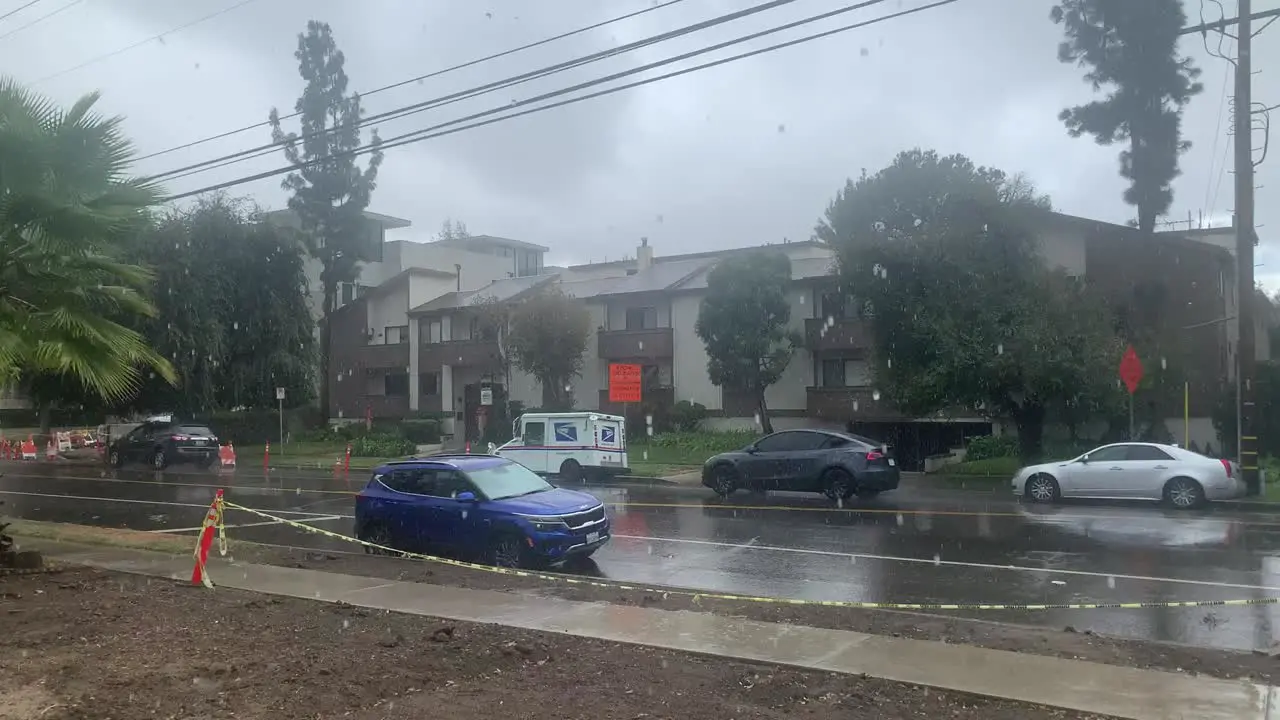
(913, 545)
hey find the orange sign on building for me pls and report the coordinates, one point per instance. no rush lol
(624, 383)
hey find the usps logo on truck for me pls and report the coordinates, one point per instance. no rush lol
(566, 432)
(608, 434)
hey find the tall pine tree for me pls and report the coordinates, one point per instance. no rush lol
(329, 190)
(1130, 48)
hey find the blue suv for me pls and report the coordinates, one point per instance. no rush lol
(481, 507)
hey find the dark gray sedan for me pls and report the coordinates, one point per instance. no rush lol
(839, 465)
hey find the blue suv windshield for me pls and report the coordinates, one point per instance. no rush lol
(507, 481)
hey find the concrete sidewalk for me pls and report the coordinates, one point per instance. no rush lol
(1088, 687)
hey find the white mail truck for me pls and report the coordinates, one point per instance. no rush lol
(573, 445)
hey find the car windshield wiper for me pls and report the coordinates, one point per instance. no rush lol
(530, 492)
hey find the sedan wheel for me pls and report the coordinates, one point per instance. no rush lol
(1042, 488)
(839, 485)
(724, 481)
(1184, 493)
(114, 459)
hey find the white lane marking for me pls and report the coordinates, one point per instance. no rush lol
(952, 563)
(304, 521)
(772, 548)
(144, 502)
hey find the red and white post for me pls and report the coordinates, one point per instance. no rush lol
(212, 522)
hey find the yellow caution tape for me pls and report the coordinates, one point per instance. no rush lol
(700, 594)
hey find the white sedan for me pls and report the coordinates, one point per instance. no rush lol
(1133, 471)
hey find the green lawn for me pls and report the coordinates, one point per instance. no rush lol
(303, 454)
(660, 456)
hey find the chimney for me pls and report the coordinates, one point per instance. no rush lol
(644, 255)
(457, 272)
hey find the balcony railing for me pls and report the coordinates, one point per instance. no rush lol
(386, 406)
(842, 404)
(843, 334)
(464, 353)
(647, 344)
(383, 356)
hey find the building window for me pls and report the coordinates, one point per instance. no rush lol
(430, 331)
(526, 263)
(429, 384)
(348, 293)
(395, 384)
(838, 305)
(838, 372)
(396, 334)
(642, 318)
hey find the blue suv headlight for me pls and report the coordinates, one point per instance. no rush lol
(546, 524)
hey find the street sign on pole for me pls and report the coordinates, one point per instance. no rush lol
(280, 402)
(1131, 369)
(1131, 375)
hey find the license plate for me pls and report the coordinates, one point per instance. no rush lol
(592, 537)
(199, 442)
(892, 462)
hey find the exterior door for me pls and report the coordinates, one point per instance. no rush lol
(1145, 470)
(1102, 475)
(798, 466)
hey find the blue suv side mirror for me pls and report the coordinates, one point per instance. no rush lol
(465, 496)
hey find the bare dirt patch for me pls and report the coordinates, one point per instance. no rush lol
(83, 644)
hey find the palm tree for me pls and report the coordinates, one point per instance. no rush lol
(66, 209)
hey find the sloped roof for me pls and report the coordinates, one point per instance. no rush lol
(504, 289)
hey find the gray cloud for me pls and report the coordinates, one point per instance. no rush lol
(746, 153)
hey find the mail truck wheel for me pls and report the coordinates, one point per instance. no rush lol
(571, 471)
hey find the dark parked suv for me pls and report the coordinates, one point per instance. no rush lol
(839, 465)
(164, 443)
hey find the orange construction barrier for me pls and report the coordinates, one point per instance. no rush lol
(51, 451)
(227, 455)
(212, 521)
(29, 448)
(346, 460)
(266, 456)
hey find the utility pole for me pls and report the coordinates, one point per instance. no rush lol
(1246, 354)
(1246, 236)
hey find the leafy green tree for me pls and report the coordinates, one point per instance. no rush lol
(547, 339)
(329, 190)
(67, 206)
(1130, 48)
(453, 230)
(744, 322)
(231, 292)
(963, 312)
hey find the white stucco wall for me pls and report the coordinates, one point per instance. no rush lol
(789, 392)
(689, 358)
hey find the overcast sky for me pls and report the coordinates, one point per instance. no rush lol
(742, 154)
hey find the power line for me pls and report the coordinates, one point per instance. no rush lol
(41, 19)
(140, 43)
(415, 108)
(428, 134)
(19, 9)
(429, 75)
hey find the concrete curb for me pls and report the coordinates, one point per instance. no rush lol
(1252, 505)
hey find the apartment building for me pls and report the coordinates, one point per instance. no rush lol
(643, 310)
(473, 261)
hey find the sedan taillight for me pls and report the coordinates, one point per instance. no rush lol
(1226, 464)
(874, 455)
(181, 438)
